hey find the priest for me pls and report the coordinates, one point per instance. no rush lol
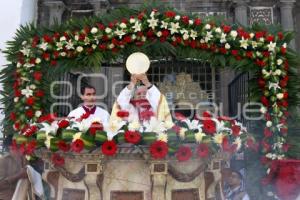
(88, 110)
(141, 102)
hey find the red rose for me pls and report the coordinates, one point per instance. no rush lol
(37, 75)
(203, 150)
(29, 113)
(184, 153)
(77, 146)
(87, 29)
(266, 54)
(209, 127)
(133, 137)
(285, 104)
(249, 54)
(141, 15)
(95, 126)
(39, 93)
(18, 93)
(259, 35)
(185, 19)
(102, 46)
(261, 82)
(122, 113)
(283, 50)
(165, 33)
(101, 26)
(62, 145)
(170, 14)
(270, 38)
(47, 38)
(46, 56)
(234, 52)
(63, 123)
(13, 116)
(47, 118)
(206, 115)
(197, 21)
(82, 36)
(53, 62)
(264, 101)
(127, 39)
(109, 148)
(56, 36)
(267, 132)
(280, 35)
(236, 130)
(226, 29)
(222, 50)
(17, 126)
(159, 149)
(55, 54)
(30, 101)
(57, 159)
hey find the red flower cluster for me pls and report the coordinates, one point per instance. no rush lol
(95, 126)
(63, 123)
(159, 149)
(77, 146)
(133, 137)
(109, 148)
(209, 126)
(63, 146)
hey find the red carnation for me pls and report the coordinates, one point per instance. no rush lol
(206, 115)
(30, 101)
(236, 130)
(234, 52)
(209, 126)
(202, 150)
(47, 38)
(95, 126)
(259, 35)
(170, 14)
(184, 153)
(133, 137)
(165, 33)
(13, 116)
(109, 148)
(127, 39)
(77, 146)
(249, 54)
(122, 113)
(57, 160)
(29, 113)
(101, 26)
(37, 75)
(46, 56)
(197, 21)
(264, 101)
(267, 132)
(63, 123)
(159, 149)
(18, 93)
(62, 145)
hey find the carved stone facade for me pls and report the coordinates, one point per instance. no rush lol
(91, 176)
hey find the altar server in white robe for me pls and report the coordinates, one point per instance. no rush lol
(88, 110)
(142, 103)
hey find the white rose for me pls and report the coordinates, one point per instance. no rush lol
(143, 38)
(123, 25)
(251, 35)
(279, 61)
(278, 72)
(191, 22)
(24, 42)
(19, 65)
(233, 34)
(79, 49)
(264, 72)
(16, 99)
(94, 30)
(207, 26)
(258, 54)
(131, 20)
(284, 45)
(218, 30)
(63, 54)
(94, 46)
(279, 96)
(111, 46)
(263, 109)
(108, 30)
(32, 86)
(38, 113)
(76, 37)
(227, 46)
(159, 34)
(185, 36)
(269, 124)
(177, 17)
(37, 60)
(133, 37)
(63, 38)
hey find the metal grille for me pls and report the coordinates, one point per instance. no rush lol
(238, 94)
(201, 73)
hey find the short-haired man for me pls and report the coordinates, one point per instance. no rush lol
(89, 108)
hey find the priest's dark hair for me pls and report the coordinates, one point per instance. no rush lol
(84, 86)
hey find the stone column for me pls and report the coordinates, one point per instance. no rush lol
(159, 171)
(56, 9)
(240, 11)
(99, 6)
(287, 19)
(93, 171)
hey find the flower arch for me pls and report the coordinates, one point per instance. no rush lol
(37, 55)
